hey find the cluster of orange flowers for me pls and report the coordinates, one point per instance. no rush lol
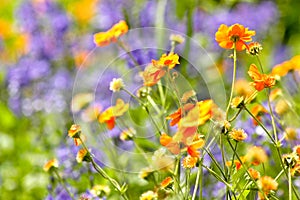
(102, 39)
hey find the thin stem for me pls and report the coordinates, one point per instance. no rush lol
(236, 115)
(246, 168)
(146, 108)
(290, 184)
(103, 173)
(187, 183)
(198, 181)
(278, 176)
(233, 80)
(259, 122)
(63, 184)
(122, 45)
(217, 176)
(215, 162)
(272, 116)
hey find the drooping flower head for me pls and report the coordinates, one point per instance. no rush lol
(235, 34)
(50, 165)
(260, 81)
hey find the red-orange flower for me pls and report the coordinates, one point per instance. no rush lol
(110, 114)
(238, 34)
(260, 81)
(177, 115)
(157, 69)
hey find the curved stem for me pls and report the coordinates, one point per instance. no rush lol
(233, 80)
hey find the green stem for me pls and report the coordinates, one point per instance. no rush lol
(263, 127)
(278, 176)
(290, 184)
(217, 176)
(233, 80)
(63, 183)
(187, 183)
(103, 173)
(215, 162)
(236, 115)
(198, 182)
(246, 169)
(122, 45)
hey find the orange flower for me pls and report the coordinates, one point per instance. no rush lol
(205, 110)
(238, 34)
(74, 131)
(118, 30)
(238, 134)
(258, 111)
(189, 162)
(267, 184)
(102, 39)
(152, 74)
(254, 48)
(285, 67)
(110, 114)
(196, 144)
(256, 155)
(261, 81)
(165, 60)
(176, 116)
(50, 165)
(169, 143)
(254, 173)
(167, 182)
(237, 163)
(297, 150)
(82, 155)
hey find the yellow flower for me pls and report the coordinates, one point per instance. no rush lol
(266, 184)
(290, 134)
(281, 107)
(149, 195)
(165, 60)
(145, 173)
(116, 84)
(189, 162)
(109, 115)
(102, 39)
(238, 134)
(256, 155)
(237, 102)
(98, 190)
(74, 131)
(50, 165)
(82, 155)
(81, 100)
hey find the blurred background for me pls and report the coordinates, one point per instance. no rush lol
(44, 42)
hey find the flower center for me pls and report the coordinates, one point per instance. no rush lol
(235, 38)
